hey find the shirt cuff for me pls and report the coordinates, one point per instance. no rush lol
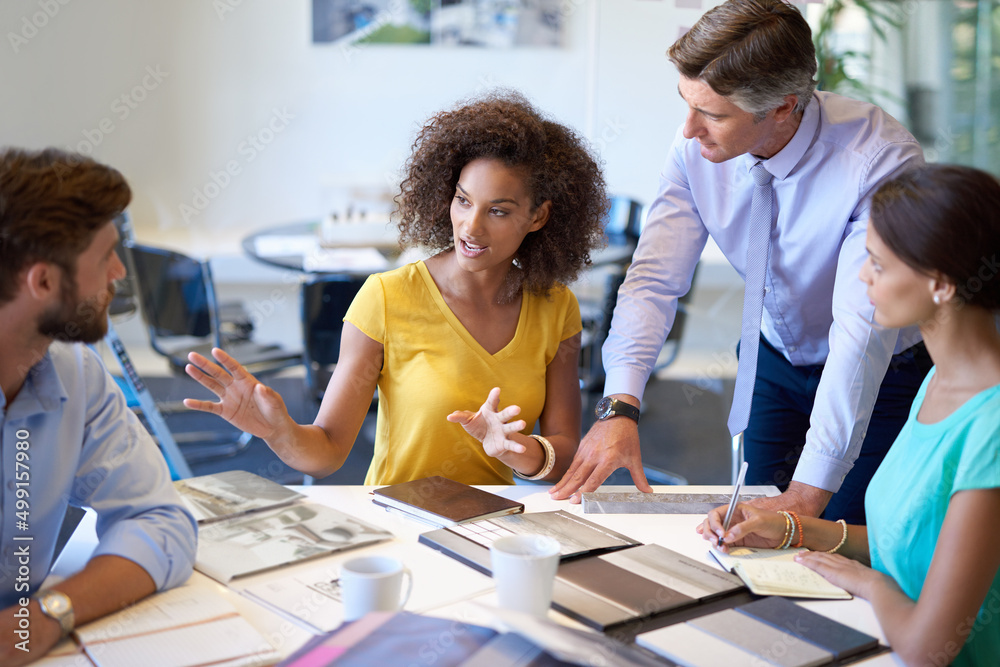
(166, 552)
(626, 380)
(823, 472)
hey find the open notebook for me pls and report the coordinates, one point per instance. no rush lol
(775, 572)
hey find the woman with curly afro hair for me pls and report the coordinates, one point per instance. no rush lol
(511, 205)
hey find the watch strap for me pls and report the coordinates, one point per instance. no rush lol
(619, 408)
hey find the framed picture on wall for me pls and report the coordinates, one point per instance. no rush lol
(482, 23)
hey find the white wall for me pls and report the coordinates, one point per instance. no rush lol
(343, 115)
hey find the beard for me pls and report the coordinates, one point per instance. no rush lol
(76, 320)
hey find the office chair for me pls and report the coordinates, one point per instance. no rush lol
(123, 303)
(597, 328)
(622, 227)
(624, 222)
(123, 306)
(672, 344)
(325, 300)
(179, 307)
(234, 320)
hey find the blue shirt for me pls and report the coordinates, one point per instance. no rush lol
(69, 438)
(908, 499)
(815, 307)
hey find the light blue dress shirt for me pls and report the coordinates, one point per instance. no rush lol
(85, 448)
(815, 307)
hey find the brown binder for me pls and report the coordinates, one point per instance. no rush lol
(444, 502)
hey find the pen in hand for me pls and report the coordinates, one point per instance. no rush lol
(732, 503)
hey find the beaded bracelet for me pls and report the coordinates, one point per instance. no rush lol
(789, 527)
(550, 460)
(843, 538)
(798, 525)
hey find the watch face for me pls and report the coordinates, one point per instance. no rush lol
(57, 604)
(603, 408)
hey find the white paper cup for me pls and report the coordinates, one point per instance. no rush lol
(524, 567)
(373, 583)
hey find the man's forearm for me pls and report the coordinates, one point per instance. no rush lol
(106, 585)
(802, 498)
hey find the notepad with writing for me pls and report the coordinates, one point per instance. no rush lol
(444, 502)
(185, 626)
(775, 572)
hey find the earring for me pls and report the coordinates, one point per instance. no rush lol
(937, 299)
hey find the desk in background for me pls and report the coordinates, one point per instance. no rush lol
(353, 248)
(459, 600)
(358, 248)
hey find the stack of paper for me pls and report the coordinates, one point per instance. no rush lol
(232, 493)
(250, 524)
(347, 260)
(264, 540)
(312, 597)
(181, 627)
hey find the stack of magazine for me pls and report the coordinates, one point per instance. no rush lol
(605, 579)
(248, 524)
(769, 631)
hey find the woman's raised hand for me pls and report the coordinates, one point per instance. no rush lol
(491, 426)
(243, 401)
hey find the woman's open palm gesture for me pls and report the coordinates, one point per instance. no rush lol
(492, 426)
(243, 401)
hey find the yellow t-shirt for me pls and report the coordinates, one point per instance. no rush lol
(432, 366)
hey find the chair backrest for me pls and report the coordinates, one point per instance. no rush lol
(176, 293)
(325, 300)
(624, 220)
(672, 345)
(124, 301)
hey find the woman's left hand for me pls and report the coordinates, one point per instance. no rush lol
(849, 574)
(491, 426)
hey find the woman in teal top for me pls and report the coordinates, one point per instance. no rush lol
(932, 507)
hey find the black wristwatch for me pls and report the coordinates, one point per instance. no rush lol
(609, 407)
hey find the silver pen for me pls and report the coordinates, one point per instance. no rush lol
(732, 503)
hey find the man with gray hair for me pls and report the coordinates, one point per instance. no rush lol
(781, 176)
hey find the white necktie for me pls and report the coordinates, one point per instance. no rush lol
(758, 249)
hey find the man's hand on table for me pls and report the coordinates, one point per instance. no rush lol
(609, 445)
(43, 633)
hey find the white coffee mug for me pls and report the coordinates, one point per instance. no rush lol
(373, 583)
(524, 567)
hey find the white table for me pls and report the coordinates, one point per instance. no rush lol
(461, 596)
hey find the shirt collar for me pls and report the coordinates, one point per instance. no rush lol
(43, 391)
(783, 162)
